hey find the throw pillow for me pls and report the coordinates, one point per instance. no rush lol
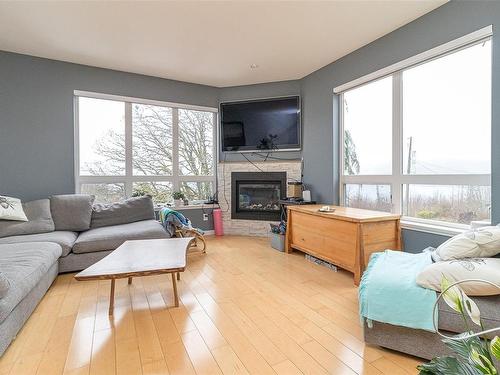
(458, 247)
(462, 269)
(488, 239)
(4, 285)
(11, 209)
(39, 220)
(71, 212)
(128, 211)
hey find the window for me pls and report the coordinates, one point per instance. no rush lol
(129, 147)
(417, 141)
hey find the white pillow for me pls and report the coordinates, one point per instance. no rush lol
(11, 209)
(488, 239)
(458, 247)
(456, 270)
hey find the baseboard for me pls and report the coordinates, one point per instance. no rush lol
(209, 232)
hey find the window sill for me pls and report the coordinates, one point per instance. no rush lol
(190, 207)
(432, 228)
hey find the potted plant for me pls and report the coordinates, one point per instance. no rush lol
(473, 354)
(178, 199)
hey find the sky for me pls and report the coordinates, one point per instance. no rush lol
(446, 111)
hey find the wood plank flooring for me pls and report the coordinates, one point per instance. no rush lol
(245, 309)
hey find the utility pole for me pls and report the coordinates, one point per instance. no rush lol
(408, 171)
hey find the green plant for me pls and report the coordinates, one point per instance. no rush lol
(178, 195)
(473, 355)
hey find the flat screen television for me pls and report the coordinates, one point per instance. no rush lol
(261, 125)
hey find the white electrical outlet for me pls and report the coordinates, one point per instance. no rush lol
(205, 217)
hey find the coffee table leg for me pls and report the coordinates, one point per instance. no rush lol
(178, 275)
(176, 296)
(112, 297)
(129, 280)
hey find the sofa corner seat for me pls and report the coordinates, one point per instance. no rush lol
(30, 268)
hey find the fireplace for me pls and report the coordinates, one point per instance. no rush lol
(256, 195)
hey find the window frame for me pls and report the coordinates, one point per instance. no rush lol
(397, 180)
(129, 178)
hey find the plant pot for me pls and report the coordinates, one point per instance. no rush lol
(178, 202)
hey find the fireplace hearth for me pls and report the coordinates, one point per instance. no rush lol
(256, 195)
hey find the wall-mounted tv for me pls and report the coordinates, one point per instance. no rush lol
(261, 125)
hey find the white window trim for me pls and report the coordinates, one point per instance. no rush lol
(398, 179)
(128, 179)
(438, 51)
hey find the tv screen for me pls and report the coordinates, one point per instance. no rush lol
(261, 125)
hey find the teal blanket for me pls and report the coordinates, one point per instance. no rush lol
(388, 291)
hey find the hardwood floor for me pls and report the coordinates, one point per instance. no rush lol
(245, 309)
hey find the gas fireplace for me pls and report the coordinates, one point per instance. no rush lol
(256, 195)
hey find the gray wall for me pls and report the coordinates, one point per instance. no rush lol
(264, 90)
(196, 217)
(36, 117)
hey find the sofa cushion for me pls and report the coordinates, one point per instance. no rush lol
(450, 320)
(39, 220)
(65, 239)
(109, 238)
(72, 211)
(128, 211)
(4, 285)
(24, 265)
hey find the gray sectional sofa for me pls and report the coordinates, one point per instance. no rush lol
(63, 234)
(425, 344)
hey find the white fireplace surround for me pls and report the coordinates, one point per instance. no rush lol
(224, 170)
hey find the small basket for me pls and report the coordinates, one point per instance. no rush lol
(278, 241)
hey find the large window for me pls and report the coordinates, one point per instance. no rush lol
(418, 141)
(128, 147)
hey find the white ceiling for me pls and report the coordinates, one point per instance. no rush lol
(207, 42)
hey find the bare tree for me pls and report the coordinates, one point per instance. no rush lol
(152, 150)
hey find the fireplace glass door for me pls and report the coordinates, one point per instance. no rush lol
(259, 196)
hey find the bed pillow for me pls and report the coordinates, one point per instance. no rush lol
(458, 247)
(455, 270)
(39, 220)
(128, 211)
(488, 239)
(11, 209)
(71, 212)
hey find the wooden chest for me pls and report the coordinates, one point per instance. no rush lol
(346, 237)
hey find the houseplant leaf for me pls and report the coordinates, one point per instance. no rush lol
(483, 363)
(464, 347)
(448, 366)
(495, 347)
(472, 309)
(452, 296)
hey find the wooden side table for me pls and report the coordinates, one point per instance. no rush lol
(345, 237)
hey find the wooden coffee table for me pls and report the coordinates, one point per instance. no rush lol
(140, 258)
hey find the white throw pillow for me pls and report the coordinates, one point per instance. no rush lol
(488, 239)
(11, 209)
(458, 247)
(456, 270)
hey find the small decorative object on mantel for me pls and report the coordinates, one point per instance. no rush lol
(294, 189)
(178, 198)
